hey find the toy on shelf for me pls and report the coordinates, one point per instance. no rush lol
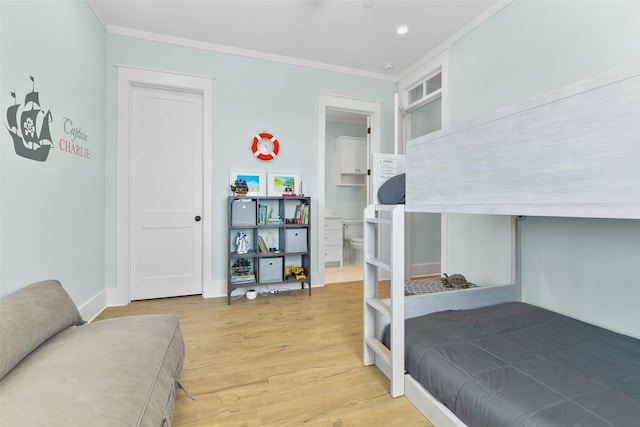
(291, 271)
(239, 187)
(242, 243)
(241, 266)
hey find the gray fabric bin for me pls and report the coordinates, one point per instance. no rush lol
(270, 269)
(296, 240)
(243, 212)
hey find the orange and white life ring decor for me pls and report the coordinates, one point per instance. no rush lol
(265, 146)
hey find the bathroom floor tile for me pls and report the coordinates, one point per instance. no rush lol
(347, 273)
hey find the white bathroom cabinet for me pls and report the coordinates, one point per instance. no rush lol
(333, 244)
(351, 161)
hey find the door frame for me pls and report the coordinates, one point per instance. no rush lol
(371, 108)
(129, 77)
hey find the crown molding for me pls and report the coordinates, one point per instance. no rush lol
(229, 50)
(212, 47)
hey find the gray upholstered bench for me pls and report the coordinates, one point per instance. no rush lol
(55, 370)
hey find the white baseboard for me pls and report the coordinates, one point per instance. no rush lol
(427, 269)
(214, 289)
(92, 308)
(117, 296)
(417, 270)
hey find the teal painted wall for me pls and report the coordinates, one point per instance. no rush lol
(58, 217)
(52, 212)
(249, 96)
(531, 47)
(588, 267)
(585, 268)
(425, 244)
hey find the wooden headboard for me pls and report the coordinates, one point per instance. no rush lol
(572, 152)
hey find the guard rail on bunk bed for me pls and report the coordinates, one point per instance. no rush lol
(380, 312)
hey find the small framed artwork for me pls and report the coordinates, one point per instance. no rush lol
(256, 181)
(280, 183)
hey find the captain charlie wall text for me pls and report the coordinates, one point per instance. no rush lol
(70, 145)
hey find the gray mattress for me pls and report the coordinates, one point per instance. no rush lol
(515, 364)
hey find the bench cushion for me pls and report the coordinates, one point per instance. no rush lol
(115, 372)
(30, 316)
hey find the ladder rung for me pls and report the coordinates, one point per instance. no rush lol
(379, 349)
(388, 208)
(378, 220)
(378, 263)
(379, 305)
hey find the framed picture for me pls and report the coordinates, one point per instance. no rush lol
(256, 181)
(279, 182)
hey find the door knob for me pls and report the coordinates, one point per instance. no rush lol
(197, 218)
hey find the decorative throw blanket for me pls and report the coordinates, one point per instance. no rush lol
(428, 286)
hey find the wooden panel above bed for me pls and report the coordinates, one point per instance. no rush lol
(573, 152)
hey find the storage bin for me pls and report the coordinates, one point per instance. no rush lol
(296, 240)
(271, 269)
(243, 212)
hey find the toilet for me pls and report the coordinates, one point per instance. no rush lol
(354, 242)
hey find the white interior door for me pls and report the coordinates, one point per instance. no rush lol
(166, 192)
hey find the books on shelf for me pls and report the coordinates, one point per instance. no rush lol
(268, 216)
(243, 278)
(262, 245)
(262, 214)
(302, 214)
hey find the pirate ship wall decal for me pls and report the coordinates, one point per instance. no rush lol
(30, 141)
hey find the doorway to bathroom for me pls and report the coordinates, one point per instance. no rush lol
(346, 154)
(367, 117)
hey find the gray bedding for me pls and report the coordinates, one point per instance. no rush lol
(392, 192)
(515, 364)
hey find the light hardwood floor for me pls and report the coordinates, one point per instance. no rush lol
(279, 360)
(347, 273)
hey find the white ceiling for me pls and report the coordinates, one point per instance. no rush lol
(344, 35)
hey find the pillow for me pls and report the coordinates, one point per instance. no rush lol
(30, 316)
(392, 192)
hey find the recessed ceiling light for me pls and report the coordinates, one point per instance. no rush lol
(402, 29)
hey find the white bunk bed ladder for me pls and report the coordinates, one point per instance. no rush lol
(393, 309)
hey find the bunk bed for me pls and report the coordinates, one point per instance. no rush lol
(574, 152)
